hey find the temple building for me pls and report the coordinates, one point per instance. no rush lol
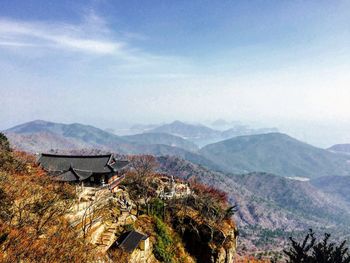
(87, 169)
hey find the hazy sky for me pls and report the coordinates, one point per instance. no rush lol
(105, 62)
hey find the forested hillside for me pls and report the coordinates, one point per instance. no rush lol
(270, 208)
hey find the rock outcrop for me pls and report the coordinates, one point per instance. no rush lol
(207, 243)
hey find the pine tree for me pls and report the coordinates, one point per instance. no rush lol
(310, 251)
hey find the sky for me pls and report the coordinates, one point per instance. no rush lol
(270, 63)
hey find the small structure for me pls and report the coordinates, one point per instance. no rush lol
(132, 240)
(88, 169)
(171, 188)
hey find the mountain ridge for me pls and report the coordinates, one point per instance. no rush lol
(275, 153)
(162, 138)
(203, 135)
(42, 136)
(341, 148)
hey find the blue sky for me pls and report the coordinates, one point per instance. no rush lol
(276, 63)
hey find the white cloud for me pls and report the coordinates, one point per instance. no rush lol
(55, 35)
(92, 37)
(15, 44)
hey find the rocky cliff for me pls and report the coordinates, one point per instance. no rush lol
(207, 243)
(186, 221)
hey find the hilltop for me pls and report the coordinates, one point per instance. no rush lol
(169, 219)
(197, 133)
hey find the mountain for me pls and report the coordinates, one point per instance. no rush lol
(194, 132)
(44, 142)
(272, 153)
(125, 129)
(299, 197)
(162, 138)
(275, 153)
(270, 207)
(341, 148)
(302, 199)
(43, 136)
(241, 130)
(203, 135)
(46, 135)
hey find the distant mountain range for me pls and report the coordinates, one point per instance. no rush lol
(197, 133)
(202, 135)
(42, 136)
(46, 136)
(162, 138)
(274, 153)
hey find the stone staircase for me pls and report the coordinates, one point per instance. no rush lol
(88, 194)
(107, 237)
(103, 234)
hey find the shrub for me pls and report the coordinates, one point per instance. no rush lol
(157, 207)
(162, 249)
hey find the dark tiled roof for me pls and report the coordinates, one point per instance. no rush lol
(79, 167)
(129, 241)
(72, 175)
(68, 176)
(82, 174)
(94, 164)
(119, 164)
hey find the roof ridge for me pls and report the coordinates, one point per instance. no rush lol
(77, 156)
(80, 170)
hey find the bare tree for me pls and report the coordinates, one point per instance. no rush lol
(143, 165)
(98, 208)
(140, 179)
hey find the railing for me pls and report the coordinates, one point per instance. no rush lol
(115, 182)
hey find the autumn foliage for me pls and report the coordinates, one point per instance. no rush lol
(211, 202)
(250, 259)
(32, 208)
